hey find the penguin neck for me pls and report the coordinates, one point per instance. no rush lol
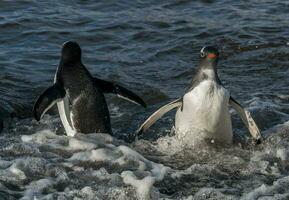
(207, 70)
(70, 62)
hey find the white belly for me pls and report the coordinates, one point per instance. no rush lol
(205, 114)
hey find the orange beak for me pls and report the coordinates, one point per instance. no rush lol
(212, 55)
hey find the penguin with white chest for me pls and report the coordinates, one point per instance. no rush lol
(204, 110)
(79, 96)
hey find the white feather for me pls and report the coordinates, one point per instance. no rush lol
(202, 50)
(48, 107)
(210, 73)
(65, 115)
(125, 98)
(205, 111)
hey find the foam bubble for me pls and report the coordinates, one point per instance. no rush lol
(35, 189)
(45, 165)
(280, 185)
(282, 153)
(143, 186)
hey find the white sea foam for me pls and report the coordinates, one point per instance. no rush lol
(97, 148)
(279, 190)
(35, 189)
(44, 165)
(143, 186)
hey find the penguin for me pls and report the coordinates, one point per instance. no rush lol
(205, 106)
(80, 96)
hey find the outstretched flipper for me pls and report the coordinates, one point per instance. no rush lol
(109, 87)
(158, 114)
(47, 99)
(247, 119)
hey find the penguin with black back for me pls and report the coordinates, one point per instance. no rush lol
(80, 96)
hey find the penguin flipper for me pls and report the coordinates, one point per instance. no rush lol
(158, 114)
(47, 99)
(109, 87)
(247, 120)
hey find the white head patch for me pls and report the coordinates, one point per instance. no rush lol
(202, 50)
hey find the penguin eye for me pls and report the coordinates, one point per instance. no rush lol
(202, 54)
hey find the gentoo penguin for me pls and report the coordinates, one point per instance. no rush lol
(204, 107)
(79, 96)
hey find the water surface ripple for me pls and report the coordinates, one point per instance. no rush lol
(152, 48)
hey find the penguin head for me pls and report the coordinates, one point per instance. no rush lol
(71, 52)
(209, 55)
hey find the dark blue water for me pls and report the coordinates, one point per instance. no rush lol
(151, 47)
